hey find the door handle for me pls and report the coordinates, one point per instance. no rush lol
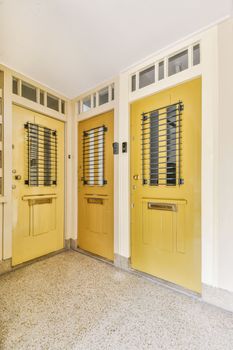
(136, 177)
(18, 177)
(162, 206)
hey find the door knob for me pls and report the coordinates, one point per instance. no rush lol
(18, 177)
(136, 177)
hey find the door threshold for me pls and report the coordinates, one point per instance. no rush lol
(151, 278)
(10, 268)
(92, 255)
(170, 285)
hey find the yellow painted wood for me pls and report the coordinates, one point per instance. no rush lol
(38, 212)
(95, 203)
(167, 244)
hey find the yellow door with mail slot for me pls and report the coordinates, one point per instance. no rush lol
(166, 185)
(95, 185)
(37, 185)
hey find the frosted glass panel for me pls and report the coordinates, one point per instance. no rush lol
(133, 82)
(52, 102)
(178, 63)
(63, 106)
(94, 100)
(161, 70)
(15, 86)
(147, 77)
(42, 97)
(103, 96)
(86, 103)
(28, 91)
(196, 54)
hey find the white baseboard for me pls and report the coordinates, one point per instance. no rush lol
(218, 297)
(73, 243)
(121, 262)
(5, 266)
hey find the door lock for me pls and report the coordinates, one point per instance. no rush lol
(136, 177)
(18, 177)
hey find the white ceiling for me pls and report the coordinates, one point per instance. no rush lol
(72, 45)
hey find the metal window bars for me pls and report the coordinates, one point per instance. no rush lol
(41, 155)
(161, 146)
(94, 156)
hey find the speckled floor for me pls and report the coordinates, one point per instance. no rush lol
(71, 301)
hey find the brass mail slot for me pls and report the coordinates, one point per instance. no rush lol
(95, 200)
(40, 201)
(162, 206)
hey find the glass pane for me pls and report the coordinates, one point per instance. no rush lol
(147, 77)
(52, 102)
(63, 107)
(28, 91)
(94, 100)
(113, 92)
(103, 96)
(47, 157)
(79, 107)
(91, 146)
(100, 157)
(86, 103)
(33, 149)
(154, 148)
(133, 82)
(196, 54)
(15, 86)
(93, 156)
(161, 70)
(178, 63)
(171, 145)
(41, 97)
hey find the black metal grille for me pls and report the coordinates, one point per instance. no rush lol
(41, 155)
(93, 156)
(162, 146)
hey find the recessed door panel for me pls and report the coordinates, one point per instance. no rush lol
(40, 209)
(38, 185)
(166, 186)
(95, 189)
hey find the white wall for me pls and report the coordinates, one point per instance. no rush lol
(224, 245)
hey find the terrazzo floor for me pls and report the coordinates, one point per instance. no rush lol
(71, 301)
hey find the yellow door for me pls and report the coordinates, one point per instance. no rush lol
(38, 185)
(95, 185)
(165, 185)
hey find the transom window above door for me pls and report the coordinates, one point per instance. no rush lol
(165, 67)
(96, 99)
